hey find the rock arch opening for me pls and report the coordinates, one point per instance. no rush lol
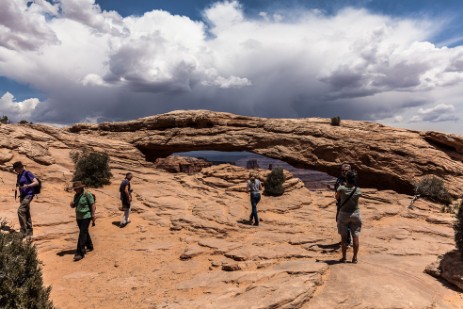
(313, 180)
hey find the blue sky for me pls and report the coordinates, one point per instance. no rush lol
(445, 9)
(395, 62)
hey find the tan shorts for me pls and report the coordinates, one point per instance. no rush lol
(348, 220)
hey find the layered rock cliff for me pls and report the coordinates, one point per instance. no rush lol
(385, 157)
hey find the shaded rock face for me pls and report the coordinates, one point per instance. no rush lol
(385, 157)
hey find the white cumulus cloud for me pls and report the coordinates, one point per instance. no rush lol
(17, 111)
(95, 64)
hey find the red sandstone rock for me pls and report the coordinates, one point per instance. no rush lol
(289, 261)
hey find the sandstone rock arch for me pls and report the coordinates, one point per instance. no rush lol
(385, 157)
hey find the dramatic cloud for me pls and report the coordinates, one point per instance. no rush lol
(96, 64)
(24, 26)
(439, 113)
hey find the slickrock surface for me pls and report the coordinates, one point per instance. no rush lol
(189, 244)
(387, 158)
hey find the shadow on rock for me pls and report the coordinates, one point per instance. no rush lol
(245, 222)
(7, 229)
(448, 269)
(66, 252)
(330, 262)
(334, 246)
(325, 248)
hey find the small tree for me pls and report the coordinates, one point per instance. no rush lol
(21, 284)
(274, 183)
(4, 119)
(458, 227)
(92, 168)
(433, 189)
(336, 121)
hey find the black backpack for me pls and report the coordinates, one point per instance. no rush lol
(37, 188)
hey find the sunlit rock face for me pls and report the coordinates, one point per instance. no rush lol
(385, 157)
(190, 244)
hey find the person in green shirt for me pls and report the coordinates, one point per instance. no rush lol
(84, 204)
(349, 214)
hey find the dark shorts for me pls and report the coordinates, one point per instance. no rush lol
(125, 204)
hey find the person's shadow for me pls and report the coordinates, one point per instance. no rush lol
(66, 252)
(243, 221)
(7, 228)
(330, 262)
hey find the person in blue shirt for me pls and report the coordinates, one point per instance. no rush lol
(26, 182)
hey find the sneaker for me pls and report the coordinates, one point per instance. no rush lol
(78, 257)
(121, 225)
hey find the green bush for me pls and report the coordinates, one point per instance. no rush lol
(4, 119)
(21, 284)
(433, 189)
(92, 168)
(273, 185)
(336, 121)
(458, 227)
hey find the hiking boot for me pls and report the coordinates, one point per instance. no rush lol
(256, 224)
(89, 249)
(78, 257)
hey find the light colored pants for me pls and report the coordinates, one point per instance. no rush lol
(125, 217)
(24, 215)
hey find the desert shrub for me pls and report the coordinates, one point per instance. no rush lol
(336, 121)
(458, 227)
(433, 189)
(24, 122)
(92, 168)
(4, 119)
(273, 185)
(21, 284)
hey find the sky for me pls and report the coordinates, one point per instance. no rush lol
(395, 62)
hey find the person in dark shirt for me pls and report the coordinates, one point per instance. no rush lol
(254, 186)
(26, 182)
(126, 199)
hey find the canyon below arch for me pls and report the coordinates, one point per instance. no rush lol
(189, 244)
